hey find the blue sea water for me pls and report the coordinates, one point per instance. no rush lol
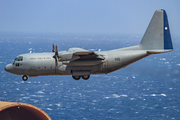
(148, 89)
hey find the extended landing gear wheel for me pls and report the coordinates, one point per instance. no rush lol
(24, 77)
(85, 77)
(76, 77)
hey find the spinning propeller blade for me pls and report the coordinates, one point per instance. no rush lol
(56, 56)
(53, 48)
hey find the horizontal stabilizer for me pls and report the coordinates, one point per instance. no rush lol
(158, 51)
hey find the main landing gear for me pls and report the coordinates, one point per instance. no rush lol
(85, 77)
(25, 77)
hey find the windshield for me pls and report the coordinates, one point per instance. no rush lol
(19, 58)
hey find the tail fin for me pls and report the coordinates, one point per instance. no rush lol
(157, 36)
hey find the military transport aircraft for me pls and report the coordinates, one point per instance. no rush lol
(79, 62)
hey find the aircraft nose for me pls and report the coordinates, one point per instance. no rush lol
(9, 68)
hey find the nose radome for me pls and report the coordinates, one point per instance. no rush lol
(5, 68)
(8, 67)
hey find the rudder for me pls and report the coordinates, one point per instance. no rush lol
(167, 35)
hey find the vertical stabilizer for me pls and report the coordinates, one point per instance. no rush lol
(157, 35)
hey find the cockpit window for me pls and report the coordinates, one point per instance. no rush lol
(19, 58)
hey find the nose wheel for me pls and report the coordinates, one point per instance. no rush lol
(24, 77)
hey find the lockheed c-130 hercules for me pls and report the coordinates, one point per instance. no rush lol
(81, 63)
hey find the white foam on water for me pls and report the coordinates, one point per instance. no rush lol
(37, 95)
(123, 95)
(22, 81)
(26, 97)
(178, 64)
(153, 95)
(49, 109)
(162, 58)
(117, 96)
(16, 82)
(58, 104)
(163, 94)
(40, 92)
(132, 98)
(50, 104)
(17, 89)
(107, 97)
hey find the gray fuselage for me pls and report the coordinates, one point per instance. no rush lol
(36, 64)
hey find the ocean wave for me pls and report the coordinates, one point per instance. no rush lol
(40, 92)
(37, 95)
(58, 104)
(49, 109)
(154, 95)
(116, 96)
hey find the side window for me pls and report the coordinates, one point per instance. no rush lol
(17, 64)
(117, 59)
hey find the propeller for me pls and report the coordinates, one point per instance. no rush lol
(53, 48)
(56, 56)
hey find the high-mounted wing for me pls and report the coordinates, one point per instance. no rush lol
(73, 50)
(79, 53)
(85, 54)
(81, 57)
